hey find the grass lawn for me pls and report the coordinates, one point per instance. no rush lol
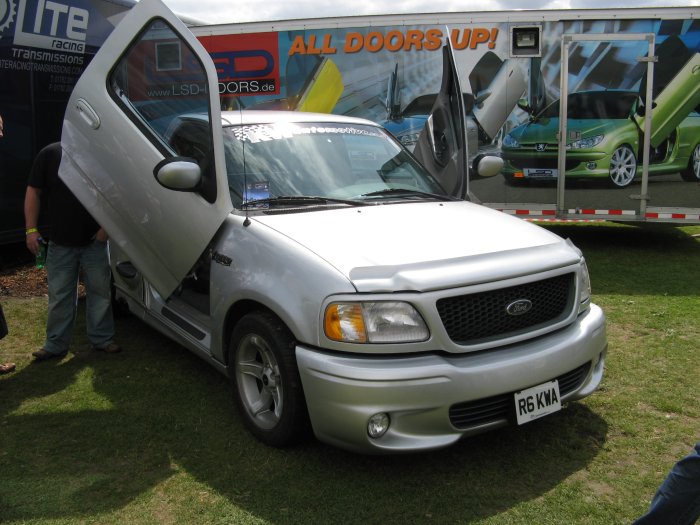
(151, 436)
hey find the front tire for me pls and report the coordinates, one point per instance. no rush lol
(267, 386)
(692, 172)
(623, 167)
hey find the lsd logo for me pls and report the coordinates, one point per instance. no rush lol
(245, 64)
(51, 25)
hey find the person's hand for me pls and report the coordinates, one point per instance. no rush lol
(34, 242)
(101, 235)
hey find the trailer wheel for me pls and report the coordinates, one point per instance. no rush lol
(692, 172)
(267, 386)
(623, 167)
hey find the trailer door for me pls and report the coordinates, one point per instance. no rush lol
(603, 151)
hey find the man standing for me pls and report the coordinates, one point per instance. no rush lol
(77, 241)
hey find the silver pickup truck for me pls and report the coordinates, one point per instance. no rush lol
(345, 285)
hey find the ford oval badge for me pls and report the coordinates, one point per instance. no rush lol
(519, 307)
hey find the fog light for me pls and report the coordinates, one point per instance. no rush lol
(591, 165)
(378, 424)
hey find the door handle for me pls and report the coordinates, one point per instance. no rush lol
(88, 114)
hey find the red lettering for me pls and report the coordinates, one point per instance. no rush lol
(433, 39)
(326, 47)
(414, 38)
(374, 42)
(494, 36)
(393, 40)
(298, 47)
(479, 36)
(464, 42)
(311, 48)
(353, 42)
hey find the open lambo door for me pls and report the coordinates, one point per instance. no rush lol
(676, 88)
(442, 145)
(497, 86)
(160, 195)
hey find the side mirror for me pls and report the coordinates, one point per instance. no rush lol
(179, 174)
(487, 165)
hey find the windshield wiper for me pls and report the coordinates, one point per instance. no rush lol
(300, 200)
(402, 192)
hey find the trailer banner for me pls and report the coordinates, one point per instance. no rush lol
(245, 64)
(44, 47)
(391, 74)
(394, 40)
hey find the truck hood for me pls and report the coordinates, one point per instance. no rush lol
(423, 246)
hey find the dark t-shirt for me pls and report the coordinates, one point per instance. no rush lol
(71, 224)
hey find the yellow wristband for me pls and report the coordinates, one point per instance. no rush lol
(31, 230)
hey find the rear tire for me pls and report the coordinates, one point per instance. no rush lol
(692, 172)
(267, 386)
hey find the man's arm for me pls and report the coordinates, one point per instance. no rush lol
(101, 235)
(32, 205)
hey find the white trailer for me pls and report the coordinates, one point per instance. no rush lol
(629, 79)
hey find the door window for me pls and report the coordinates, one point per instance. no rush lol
(161, 83)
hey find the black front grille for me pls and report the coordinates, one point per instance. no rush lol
(479, 317)
(499, 408)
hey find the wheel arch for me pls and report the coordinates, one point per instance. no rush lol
(236, 312)
(272, 404)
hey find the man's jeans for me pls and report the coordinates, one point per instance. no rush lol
(677, 502)
(63, 264)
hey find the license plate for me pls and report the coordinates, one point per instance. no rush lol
(538, 401)
(541, 173)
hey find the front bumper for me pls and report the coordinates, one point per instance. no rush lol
(578, 163)
(342, 392)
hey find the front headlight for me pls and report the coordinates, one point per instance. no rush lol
(510, 142)
(587, 143)
(374, 322)
(585, 287)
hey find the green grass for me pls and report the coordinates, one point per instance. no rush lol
(150, 435)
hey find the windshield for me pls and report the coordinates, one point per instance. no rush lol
(595, 105)
(349, 162)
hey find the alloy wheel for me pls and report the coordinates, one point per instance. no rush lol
(623, 167)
